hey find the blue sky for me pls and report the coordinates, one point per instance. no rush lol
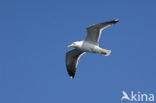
(34, 36)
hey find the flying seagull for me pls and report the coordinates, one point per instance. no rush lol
(89, 44)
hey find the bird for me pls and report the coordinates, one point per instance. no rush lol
(89, 44)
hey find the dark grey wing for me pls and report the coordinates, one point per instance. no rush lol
(72, 58)
(94, 31)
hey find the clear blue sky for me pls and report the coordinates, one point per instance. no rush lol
(33, 39)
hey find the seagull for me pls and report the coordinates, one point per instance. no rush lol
(89, 44)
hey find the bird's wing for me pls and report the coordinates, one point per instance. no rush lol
(94, 31)
(72, 58)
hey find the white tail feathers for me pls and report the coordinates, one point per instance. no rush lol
(105, 52)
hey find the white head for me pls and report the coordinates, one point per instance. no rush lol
(76, 44)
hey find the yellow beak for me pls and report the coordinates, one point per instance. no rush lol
(69, 46)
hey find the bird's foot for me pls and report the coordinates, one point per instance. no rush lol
(105, 52)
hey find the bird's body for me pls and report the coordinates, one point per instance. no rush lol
(88, 47)
(89, 44)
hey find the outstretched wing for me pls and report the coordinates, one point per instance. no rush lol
(94, 31)
(72, 58)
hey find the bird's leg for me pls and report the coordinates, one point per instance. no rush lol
(105, 52)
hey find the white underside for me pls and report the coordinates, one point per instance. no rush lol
(92, 48)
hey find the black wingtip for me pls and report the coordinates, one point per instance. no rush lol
(71, 74)
(115, 21)
(71, 77)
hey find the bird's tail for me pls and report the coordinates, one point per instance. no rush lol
(105, 52)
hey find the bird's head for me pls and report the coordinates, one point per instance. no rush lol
(76, 44)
